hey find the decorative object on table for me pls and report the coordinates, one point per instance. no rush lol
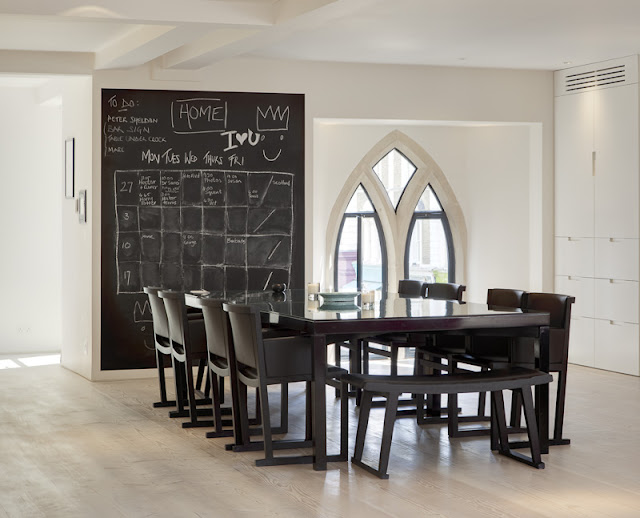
(279, 296)
(279, 288)
(82, 206)
(339, 301)
(69, 168)
(313, 288)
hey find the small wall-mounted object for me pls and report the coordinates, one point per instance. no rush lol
(69, 168)
(82, 206)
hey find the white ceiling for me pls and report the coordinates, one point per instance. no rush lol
(193, 34)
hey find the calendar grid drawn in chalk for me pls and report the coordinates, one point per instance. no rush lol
(188, 230)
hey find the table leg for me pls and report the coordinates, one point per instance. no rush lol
(319, 403)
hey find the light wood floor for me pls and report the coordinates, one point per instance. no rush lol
(71, 448)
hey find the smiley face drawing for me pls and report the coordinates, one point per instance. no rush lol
(269, 151)
(272, 119)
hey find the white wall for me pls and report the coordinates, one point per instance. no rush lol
(30, 207)
(374, 93)
(79, 269)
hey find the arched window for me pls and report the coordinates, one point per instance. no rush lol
(429, 254)
(396, 217)
(360, 260)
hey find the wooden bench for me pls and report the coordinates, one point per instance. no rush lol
(517, 379)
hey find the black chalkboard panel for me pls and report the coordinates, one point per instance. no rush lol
(200, 190)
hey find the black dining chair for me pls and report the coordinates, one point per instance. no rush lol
(436, 347)
(221, 362)
(387, 345)
(261, 362)
(487, 346)
(522, 353)
(162, 343)
(188, 349)
(219, 358)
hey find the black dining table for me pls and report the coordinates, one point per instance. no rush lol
(327, 322)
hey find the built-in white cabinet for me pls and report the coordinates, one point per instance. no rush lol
(616, 258)
(616, 162)
(582, 340)
(597, 218)
(611, 350)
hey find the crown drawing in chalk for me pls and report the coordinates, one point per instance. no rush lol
(273, 119)
(142, 313)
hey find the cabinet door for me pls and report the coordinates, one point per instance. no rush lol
(574, 256)
(581, 342)
(616, 300)
(616, 347)
(582, 288)
(616, 164)
(617, 258)
(573, 165)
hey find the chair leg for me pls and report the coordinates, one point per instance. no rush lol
(266, 427)
(244, 413)
(387, 434)
(344, 423)
(453, 423)
(394, 360)
(191, 392)
(202, 365)
(363, 422)
(284, 408)
(178, 376)
(516, 410)
(532, 431)
(164, 401)
(499, 435)
(221, 389)
(218, 422)
(560, 400)
(365, 357)
(532, 426)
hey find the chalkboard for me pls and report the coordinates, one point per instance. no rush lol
(200, 190)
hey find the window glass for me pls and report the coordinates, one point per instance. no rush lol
(394, 171)
(347, 256)
(360, 258)
(428, 252)
(371, 255)
(428, 201)
(359, 202)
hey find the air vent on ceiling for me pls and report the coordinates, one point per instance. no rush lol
(595, 78)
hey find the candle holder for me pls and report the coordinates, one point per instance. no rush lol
(313, 289)
(368, 299)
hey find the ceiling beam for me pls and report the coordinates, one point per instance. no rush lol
(146, 43)
(144, 11)
(198, 54)
(293, 16)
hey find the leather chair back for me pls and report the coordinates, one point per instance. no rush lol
(158, 313)
(443, 291)
(505, 298)
(410, 288)
(559, 309)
